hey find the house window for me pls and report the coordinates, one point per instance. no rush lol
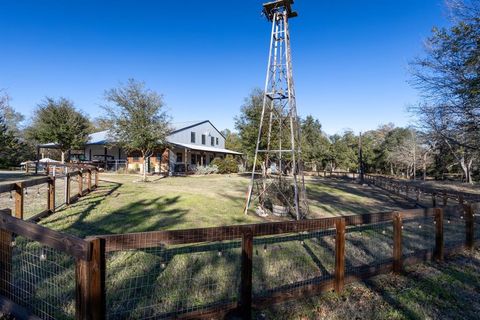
(192, 137)
(179, 157)
(159, 157)
(193, 159)
(204, 138)
(217, 141)
(212, 141)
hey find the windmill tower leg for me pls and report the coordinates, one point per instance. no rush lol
(278, 148)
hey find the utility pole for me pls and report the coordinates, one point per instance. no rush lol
(360, 158)
(278, 143)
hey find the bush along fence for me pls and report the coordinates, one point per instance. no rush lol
(36, 198)
(210, 272)
(420, 195)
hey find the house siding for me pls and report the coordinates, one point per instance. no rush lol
(184, 136)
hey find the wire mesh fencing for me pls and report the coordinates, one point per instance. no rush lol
(7, 200)
(74, 186)
(35, 200)
(60, 192)
(286, 262)
(454, 226)
(418, 235)
(39, 278)
(368, 246)
(160, 282)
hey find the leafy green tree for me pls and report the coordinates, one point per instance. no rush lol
(58, 121)
(248, 122)
(344, 152)
(138, 120)
(315, 144)
(232, 140)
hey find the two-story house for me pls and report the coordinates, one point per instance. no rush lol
(190, 144)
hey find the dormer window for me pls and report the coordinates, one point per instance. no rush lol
(204, 139)
(192, 137)
(212, 141)
(217, 141)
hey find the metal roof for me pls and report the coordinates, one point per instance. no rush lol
(204, 148)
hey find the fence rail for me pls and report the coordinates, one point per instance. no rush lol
(25, 197)
(415, 193)
(209, 272)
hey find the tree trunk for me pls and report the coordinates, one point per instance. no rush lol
(467, 169)
(425, 166)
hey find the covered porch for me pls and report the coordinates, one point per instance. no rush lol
(186, 157)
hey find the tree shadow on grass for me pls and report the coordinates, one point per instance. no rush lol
(140, 215)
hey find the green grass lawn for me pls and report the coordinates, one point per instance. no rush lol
(122, 205)
(166, 279)
(450, 290)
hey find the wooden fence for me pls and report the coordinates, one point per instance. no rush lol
(19, 190)
(92, 265)
(415, 193)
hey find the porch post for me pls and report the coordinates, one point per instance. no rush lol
(186, 160)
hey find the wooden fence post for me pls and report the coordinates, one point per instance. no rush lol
(6, 239)
(96, 178)
(89, 180)
(19, 201)
(434, 200)
(417, 194)
(81, 289)
(51, 195)
(80, 184)
(97, 280)
(339, 255)
(90, 284)
(67, 189)
(397, 242)
(445, 199)
(469, 226)
(246, 275)
(460, 199)
(438, 253)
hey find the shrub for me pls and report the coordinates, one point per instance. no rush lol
(206, 170)
(226, 165)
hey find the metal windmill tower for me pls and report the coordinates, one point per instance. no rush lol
(278, 148)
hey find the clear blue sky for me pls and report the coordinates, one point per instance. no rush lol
(350, 57)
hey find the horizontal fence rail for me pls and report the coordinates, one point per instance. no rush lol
(37, 198)
(416, 193)
(211, 272)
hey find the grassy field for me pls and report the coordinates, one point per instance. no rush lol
(450, 290)
(122, 205)
(162, 280)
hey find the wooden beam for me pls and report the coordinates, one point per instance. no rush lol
(439, 241)
(340, 255)
(69, 244)
(51, 195)
(80, 184)
(97, 268)
(246, 274)
(82, 298)
(469, 226)
(6, 238)
(19, 200)
(397, 242)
